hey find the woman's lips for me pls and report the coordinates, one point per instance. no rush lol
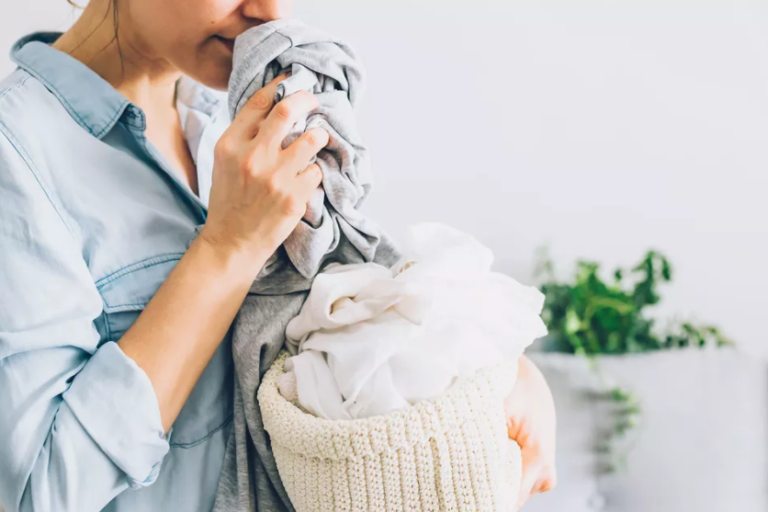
(229, 43)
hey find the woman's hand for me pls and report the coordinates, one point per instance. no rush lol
(260, 191)
(259, 195)
(531, 423)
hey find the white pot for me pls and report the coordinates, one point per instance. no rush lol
(702, 442)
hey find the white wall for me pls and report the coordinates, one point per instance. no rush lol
(20, 17)
(603, 128)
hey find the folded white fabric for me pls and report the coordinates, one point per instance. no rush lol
(371, 340)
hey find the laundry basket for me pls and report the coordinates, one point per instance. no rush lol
(449, 453)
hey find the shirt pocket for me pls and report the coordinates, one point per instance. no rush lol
(125, 293)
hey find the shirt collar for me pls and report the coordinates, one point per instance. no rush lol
(88, 98)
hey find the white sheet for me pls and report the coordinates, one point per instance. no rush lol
(371, 340)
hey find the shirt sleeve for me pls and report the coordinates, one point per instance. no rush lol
(79, 420)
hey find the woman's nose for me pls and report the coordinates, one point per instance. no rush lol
(267, 10)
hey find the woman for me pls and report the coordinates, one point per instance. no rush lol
(115, 362)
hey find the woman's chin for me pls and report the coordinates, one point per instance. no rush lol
(212, 72)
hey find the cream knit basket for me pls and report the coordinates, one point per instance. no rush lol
(450, 453)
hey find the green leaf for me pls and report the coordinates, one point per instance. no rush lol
(572, 322)
(588, 316)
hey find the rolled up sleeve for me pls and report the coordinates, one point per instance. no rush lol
(79, 420)
(114, 402)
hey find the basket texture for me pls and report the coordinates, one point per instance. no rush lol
(451, 453)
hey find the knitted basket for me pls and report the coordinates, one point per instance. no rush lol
(450, 453)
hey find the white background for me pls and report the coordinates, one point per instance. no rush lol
(601, 128)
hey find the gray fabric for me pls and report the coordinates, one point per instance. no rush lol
(333, 230)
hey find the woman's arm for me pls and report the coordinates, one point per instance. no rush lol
(79, 421)
(531, 422)
(182, 325)
(82, 421)
(256, 200)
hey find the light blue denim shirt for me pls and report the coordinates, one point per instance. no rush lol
(92, 220)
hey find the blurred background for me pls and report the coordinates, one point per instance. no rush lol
(599, 130)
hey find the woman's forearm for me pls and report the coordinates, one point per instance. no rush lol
(178, 332)
(258, 196)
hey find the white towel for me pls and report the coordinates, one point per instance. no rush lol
(371, 340)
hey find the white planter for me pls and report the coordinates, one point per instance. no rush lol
(702, 444)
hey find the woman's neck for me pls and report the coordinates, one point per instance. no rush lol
(115, 55)
(149, 83)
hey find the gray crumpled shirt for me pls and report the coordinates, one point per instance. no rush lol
(333, 230)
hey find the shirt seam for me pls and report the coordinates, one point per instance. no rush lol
(13, 141)
(113, 120)
(48, 85)
(107, 325)
(287, 36)
(107, 308)
(157, 259)
(68, 106)
(15, 86)
(127, 305)
(192, 444)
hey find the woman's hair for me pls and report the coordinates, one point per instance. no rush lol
(115, 21)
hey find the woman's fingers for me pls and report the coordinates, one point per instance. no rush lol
(531, 422)
(247, 122)
(300, 152)
(284, 115)
(538, 474)
(545, 484)
(307, 182)
(533, 467)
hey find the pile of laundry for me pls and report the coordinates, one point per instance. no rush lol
(392, 398)
(371, 340)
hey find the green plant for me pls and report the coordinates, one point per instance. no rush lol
(590, 317)
(624, 412)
